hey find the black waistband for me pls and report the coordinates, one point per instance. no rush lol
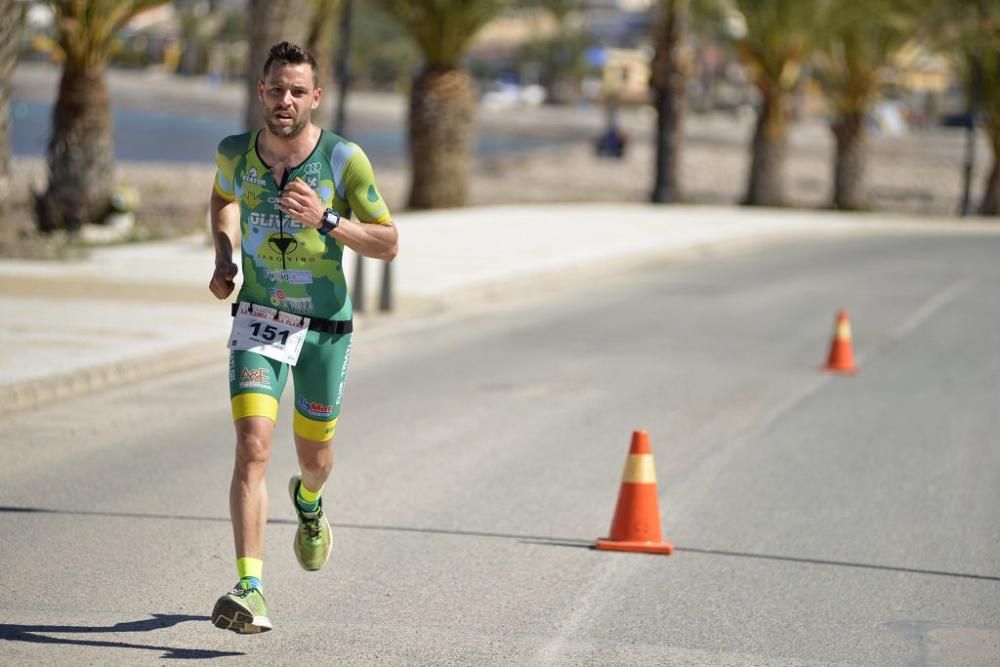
(323, 326)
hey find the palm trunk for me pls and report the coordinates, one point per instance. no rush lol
(269, 22)
(849, 168)
(766, 180)
(10, 28)
(320, 43)
(669, 83)
(81, 153)
(442, 114)
(990, 203)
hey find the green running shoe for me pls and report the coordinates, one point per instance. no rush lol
(242, 610)
(312, 540)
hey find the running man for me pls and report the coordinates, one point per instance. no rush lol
(286, 193)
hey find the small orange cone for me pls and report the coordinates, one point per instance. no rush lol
(841, 352)
(636, 524)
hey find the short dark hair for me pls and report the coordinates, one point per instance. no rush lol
(286, 53)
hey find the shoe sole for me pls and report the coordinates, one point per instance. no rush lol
(292, 484)
(228, 615)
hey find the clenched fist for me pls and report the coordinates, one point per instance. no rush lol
(223, 280)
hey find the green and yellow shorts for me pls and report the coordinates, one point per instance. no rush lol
(256, 383)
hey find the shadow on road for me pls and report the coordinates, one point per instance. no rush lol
(38, 634)
(526, 539)
(838, 563)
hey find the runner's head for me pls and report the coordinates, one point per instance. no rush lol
(286, 53)
(288, 90)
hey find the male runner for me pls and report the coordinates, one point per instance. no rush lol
(286, 193)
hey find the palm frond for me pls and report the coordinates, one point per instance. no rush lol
(86, 30)
(778, 36)
(443, 29)
(857, 42)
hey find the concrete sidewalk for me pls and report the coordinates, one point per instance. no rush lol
(132, 311)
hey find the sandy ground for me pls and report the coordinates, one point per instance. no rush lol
(919, 172)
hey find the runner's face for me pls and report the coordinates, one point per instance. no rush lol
(288, 96)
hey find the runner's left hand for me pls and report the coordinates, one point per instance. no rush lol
(302, 203)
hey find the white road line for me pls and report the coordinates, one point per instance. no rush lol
(707, 470)
(931, 306)
(924, 312)
(583, 608)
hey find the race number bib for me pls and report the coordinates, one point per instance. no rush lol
(269, 332)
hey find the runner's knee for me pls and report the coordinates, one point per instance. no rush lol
(315, 458)
(253, 445)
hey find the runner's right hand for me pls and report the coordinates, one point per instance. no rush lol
(222, 283)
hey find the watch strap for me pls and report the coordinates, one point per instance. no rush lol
(330, 221)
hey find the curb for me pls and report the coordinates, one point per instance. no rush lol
(37, 392)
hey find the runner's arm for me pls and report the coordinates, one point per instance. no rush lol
(371, 239)
(373, 234)
(375, 238)
(225, 218)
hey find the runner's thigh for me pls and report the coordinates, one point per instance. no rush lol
(255, 384)
(319, 376)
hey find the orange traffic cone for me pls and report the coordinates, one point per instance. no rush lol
(636, 524)
(841, 352)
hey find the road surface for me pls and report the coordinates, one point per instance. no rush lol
(818, 519)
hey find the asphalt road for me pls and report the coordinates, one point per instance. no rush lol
(819, 519)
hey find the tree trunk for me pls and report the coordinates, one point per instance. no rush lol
(81, 153)
(320, 43)
(270, 22)
(849, 167)
(669, 84)
(990, 204)
(10, 28)
(766, 181)
(442, 115)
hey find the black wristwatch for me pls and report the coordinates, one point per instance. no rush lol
(330, 221)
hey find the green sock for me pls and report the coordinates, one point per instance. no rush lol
(249, 570)
(308, 501)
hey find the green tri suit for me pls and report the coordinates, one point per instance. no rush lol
(291, 267)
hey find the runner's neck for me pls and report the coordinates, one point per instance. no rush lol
(281, 154)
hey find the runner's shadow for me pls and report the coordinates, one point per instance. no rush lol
(30, 634)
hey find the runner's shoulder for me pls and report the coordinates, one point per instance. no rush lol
(340, 151)
(236, 144)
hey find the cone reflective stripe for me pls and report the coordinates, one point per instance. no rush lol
(636, 523)
(843, 327)
(841, 358)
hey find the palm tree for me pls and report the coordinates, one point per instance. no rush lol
(860, 41)
(81, 156)
(10, 28)
(990, 82)
(775, 38)
(269, 22)
(981, 47)
(668, 81)
(320, 42)
(442, 97)
(970, 29)
(560, 55)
